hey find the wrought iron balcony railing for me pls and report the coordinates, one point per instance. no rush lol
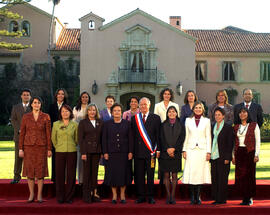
(137, 75)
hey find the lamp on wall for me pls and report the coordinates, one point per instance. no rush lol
(94, 88)
(179, 88)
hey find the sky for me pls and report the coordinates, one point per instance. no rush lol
(196, 14)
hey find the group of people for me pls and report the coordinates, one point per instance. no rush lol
(128, 143)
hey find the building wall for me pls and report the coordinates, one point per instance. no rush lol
(39, 34)
(100, 56)
(248, 76)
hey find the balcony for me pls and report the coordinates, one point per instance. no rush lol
(137, 75)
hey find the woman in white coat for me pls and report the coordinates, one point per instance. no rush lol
(197, 152)
(166, 97)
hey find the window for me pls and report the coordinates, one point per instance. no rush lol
(228, 71)
(39, 71)
(91, 25)
(137, 61)
(26, 28)
(256, 96)
(177, 22)
(200, 71)
(265, 71)
(13, 26)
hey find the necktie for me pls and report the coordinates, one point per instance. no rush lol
(143, 119)
(24, 107)
(247, 106)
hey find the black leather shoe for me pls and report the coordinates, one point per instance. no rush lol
(40, 201)
(140, 200)
(30, 200)
(245, 202)
(14, 181)
(250, 202)
(114, 202)
(172, 202)
(151, 201)
(69, 201)
(96, 199)
(60, 201)
(123, 201)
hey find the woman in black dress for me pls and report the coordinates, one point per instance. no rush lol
(172, 138)
(117, 146)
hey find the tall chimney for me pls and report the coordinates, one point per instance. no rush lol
(175, 21)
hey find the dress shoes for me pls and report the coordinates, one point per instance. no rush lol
(250, 202)
(173, 202)
(123, 201)
(151, 201)
(245, 201)
(14, 181)
(140, 200)
(40, 201)
(96, 199)
(114, 202)
(69, 201)
(60, 201)
(30, 200)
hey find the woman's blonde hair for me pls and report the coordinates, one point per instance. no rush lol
(225, 94)
(193, 108)
(88, 107)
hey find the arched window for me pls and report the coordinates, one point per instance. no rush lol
(26, 28)
(13, 26)
(91, 25)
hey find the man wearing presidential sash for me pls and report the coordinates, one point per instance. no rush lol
(146, 127)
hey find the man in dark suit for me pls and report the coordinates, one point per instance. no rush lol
(143, 160)
(256, 111)
(17, 113)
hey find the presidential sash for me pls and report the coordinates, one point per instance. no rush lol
(144, 135)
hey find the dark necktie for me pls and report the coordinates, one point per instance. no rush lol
(247, 106)
(143, 119)
(24, 107)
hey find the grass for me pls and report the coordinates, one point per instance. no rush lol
(7, 162)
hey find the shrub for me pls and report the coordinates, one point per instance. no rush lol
(265, 129)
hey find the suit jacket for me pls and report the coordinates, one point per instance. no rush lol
(185, 112)
(117, 137)
(225, 141)
(16, 118)
(178, 135)
(54, 112)
(104, 115)
(35, 132)
(228, 113)
(256, 113)
(152, 126)
(161, 110)
(90, 136)
(198, 136)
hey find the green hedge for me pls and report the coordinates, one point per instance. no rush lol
(265, 129)
(6, 132)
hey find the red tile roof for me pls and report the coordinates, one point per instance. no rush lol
(68, 40)
(231, 39)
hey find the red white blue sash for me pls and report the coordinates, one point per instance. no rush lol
(143, 133)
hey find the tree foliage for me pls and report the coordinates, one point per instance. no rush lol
(6, 13)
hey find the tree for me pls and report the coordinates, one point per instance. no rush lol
(55, 2)
(6, 13)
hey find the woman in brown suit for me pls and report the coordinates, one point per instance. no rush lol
(90, 146)
(35, 147)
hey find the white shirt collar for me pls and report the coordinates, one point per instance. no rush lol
(25, 104)
(247, 104)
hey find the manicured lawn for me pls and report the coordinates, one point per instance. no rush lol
(7, 162)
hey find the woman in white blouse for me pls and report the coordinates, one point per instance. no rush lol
(197, 152)
(166, 97)
(246, 155)
(79, 112)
